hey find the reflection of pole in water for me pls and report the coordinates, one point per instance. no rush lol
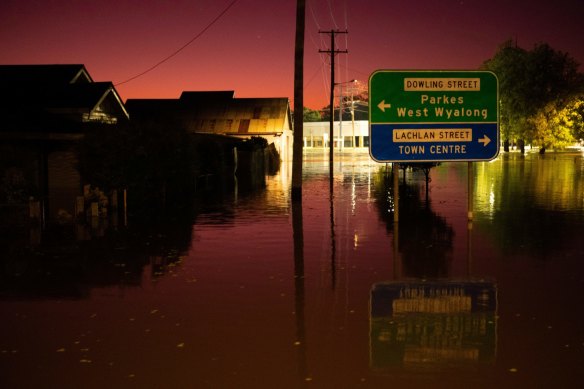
(298, 235)
(396, 258)
(333, 243)
(235, 183)
(469, 248)
(470, 189)
(395, 168)
(125, 207)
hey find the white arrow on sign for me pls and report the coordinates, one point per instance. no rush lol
(485, 140)
(382, 105)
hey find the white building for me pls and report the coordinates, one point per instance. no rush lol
(346, 134)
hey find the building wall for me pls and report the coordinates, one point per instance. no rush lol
(64, 184)
(346, 134)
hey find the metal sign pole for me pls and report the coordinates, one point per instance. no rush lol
(470, 188)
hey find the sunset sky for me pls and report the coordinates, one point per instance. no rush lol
(250, 48)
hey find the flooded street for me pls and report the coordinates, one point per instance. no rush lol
(256, 293)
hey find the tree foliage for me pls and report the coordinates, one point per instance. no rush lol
(534, 86)
(572, 116)
(311, 115)
(553, 130)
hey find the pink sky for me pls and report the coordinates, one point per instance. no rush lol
(250, 49)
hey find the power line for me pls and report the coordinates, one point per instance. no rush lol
(182, 47)
(314, 75)
(322, 55)
(332, 53)
(346, 42)
(332, 14)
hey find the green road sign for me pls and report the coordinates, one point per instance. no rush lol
(429, 116)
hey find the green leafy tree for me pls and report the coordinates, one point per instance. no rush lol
(552, 129)
(508, 64)
(572, 116)
(530, 82)
(311, 115)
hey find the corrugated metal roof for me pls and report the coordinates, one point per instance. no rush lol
(218, 112)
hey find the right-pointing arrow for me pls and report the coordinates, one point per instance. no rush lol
(485, 140)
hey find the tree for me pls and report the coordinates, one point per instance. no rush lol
(311, 115)
(529, 81)
(559, 125)
(553, 131)
(507, 64)
(572, 116)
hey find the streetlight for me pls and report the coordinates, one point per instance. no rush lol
(342, 141)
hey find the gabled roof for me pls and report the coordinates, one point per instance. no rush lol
(43, 74)
(51, 97)
(82, 97)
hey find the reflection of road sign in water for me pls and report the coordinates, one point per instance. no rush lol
(432, 323)
(428, 116)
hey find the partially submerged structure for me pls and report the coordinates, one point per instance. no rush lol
(49, 109)
(220, 113)
(46, 110)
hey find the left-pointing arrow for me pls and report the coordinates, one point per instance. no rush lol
(382, 105)
(485, 140)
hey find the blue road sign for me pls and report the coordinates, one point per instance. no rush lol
(429, 116)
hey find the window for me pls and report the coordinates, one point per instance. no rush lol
(243, 126)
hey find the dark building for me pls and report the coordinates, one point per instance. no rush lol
(46, 109)
(220, 113)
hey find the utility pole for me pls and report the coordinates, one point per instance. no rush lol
(298, 103)
(332, 52)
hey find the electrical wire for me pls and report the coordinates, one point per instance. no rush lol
(323, 57)
(314, 75)
(346, 42)
(332, 14)
(182, 47)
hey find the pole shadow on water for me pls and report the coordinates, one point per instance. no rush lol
(299, 291)
(332, 225)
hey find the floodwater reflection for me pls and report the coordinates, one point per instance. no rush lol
(433, 323)
(424, 245)
(69, 261)
(258, 292)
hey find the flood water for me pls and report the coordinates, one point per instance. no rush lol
(257, 293)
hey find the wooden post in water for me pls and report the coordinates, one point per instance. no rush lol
(34, 207)
(114, 200)
(397, 266)
(125, 207)
(79, 207)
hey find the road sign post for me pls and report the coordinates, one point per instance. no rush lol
(433, 116)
